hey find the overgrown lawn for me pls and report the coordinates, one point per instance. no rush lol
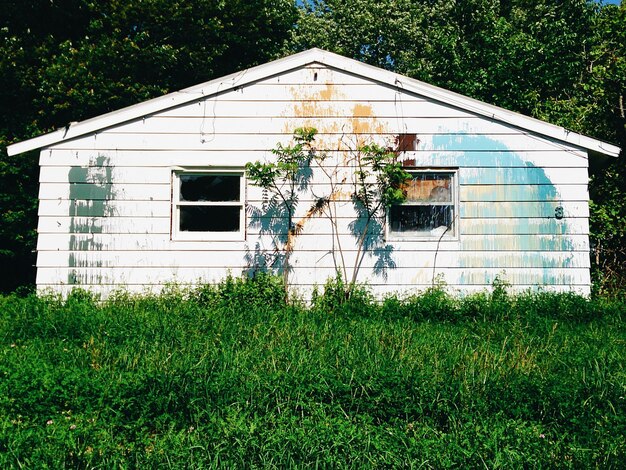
(230, 376)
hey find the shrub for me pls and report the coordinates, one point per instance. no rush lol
(432, 304)
(341, 299)
(263, 290)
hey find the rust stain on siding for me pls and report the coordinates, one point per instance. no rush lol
(311, 104)
(362, 110)
(327, 93)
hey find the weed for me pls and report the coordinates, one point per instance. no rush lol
(229, 375)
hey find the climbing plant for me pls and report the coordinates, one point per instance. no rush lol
(376, 180)
(284, 179)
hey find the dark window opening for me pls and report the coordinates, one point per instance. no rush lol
(429, 205)
(209, 187)
(209, 203)
(420, 218)
(210, 218)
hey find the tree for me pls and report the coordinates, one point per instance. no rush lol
(286, 179)
(378, 180)
(607, 114)
(69, 60)
(514, 53)
(562, 62)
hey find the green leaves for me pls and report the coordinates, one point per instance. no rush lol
(69, 60)
(374, 160)
(285, 178)
(229, 375)
(290, 160)
(378, 179)
(262, 174)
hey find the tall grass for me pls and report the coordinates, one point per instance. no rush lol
(231, 376)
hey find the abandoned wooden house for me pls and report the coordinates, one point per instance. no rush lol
(157, 193)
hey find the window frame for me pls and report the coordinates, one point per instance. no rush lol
(449, 235)
(181, 235)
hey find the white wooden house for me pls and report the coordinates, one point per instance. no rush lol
(157, 192)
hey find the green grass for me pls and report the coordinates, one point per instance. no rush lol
(230, 376)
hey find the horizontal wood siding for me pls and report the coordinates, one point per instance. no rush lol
(235, 258)
(105, 198)
(405, 277)
(167, 158)
(151, 241)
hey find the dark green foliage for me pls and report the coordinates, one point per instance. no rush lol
(608, 221)
(70, 60)
(230, 375)
(263, 291)
(285, 179)
(338, 299)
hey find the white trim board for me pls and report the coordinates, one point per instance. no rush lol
(302, 59)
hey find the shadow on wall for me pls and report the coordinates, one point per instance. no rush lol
(533, 228)
(91, 189)
(272, 222)
(374, 242)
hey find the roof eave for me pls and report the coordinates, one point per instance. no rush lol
(329, 59)
(171, 100)
(496, 113)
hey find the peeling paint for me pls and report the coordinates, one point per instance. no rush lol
(540, 188)
(547, 277)
(313, 102)
(517, 192)
(85, 214)
(524, 260)
(327, 93)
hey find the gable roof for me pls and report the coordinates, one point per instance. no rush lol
(301, 59)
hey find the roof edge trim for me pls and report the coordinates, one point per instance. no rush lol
(330, 59)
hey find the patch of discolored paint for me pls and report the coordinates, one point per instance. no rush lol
(546, 277)
(344, 133)
(91, 189)
(519, 260)
(547, 235)
(522, 226)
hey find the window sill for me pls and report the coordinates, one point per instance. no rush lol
(432, 235)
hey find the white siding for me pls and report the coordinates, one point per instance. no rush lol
(142, 159)
(105, 198)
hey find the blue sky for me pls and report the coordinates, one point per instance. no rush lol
(609, 2)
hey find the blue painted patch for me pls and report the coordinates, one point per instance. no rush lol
(472, 170)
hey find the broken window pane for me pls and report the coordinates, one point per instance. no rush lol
(420, 218)
(210, 218)
(429, 204)
(429, 187)
(210, 187)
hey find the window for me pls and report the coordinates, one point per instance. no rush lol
(208, 205)
(429, 210)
